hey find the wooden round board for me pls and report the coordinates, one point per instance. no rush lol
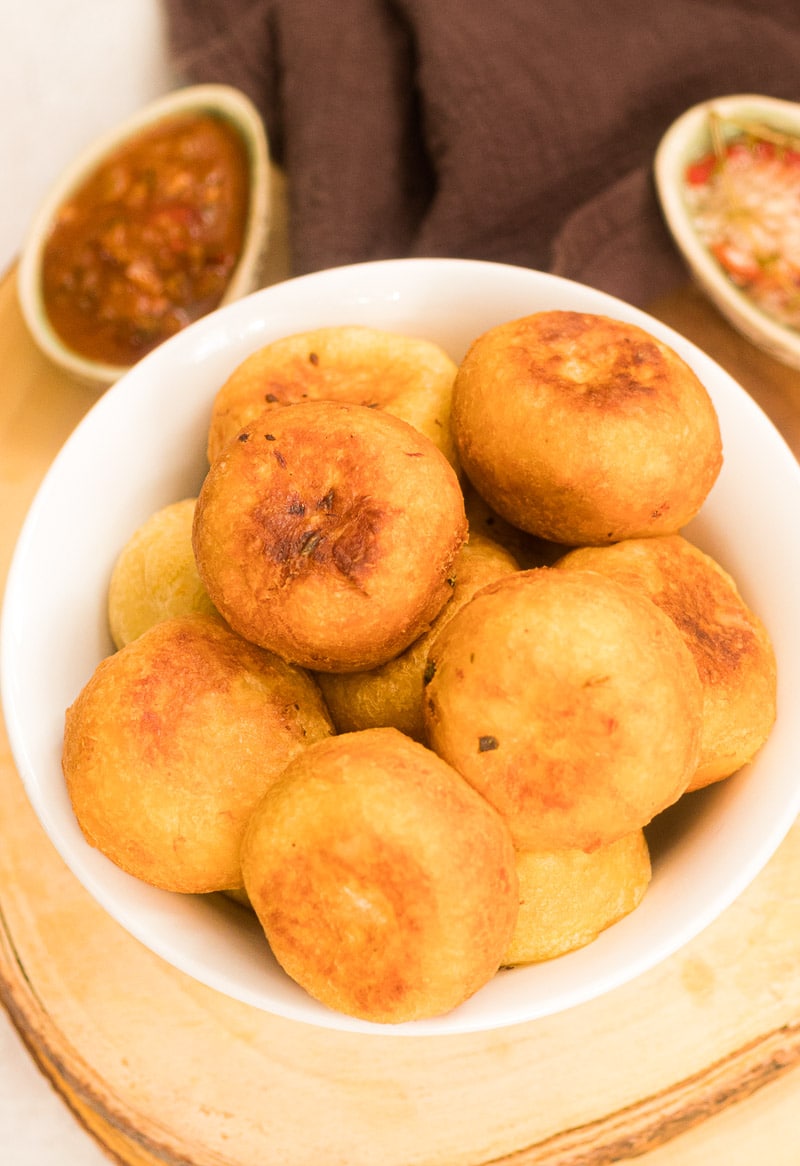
(689, 1063)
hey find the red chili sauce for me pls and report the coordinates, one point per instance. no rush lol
(149, 242)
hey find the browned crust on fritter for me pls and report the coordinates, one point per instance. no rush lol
(385, 885)
(583, 429)
(329, 534)
(575, 709)
(729, 643)
(172, 742)
(408, 377)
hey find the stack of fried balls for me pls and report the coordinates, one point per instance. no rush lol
(416, 669)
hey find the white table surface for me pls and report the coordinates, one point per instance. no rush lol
(68, 71)
(36, 1127)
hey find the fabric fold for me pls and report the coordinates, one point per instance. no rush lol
(521, 132)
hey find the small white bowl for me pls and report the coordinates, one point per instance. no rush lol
(688, 139)
(228, 103)
(101, 487)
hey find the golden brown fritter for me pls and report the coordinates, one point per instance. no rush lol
(327, 532)
(391, 695)
(385, 885)
(567, 897)
(408, 377)
(172, 742)
(570, 702)
(582, 429)
(155, 575)
(730, 645)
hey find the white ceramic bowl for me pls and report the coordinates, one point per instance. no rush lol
(142, 445)
(226, 102)
(687, 140)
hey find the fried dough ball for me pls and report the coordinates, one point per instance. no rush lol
(730, 645)
(385, 885)
(582, 429)
(391, 695)
(575, 710)
(172, 742)
(527, 549)
(567, 897)
(155, 575)
(410, 378)
(327, 532)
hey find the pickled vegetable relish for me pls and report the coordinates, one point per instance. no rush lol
(149, 242)
(744, 199)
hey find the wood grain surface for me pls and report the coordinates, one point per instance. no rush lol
(695, 1061)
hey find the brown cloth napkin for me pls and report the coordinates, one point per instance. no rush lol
(521, 131)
